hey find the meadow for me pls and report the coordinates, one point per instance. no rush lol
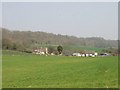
(35, 71)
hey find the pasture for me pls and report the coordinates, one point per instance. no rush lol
(34, 71)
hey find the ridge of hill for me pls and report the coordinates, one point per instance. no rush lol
(29, 40)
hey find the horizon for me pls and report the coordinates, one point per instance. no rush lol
(56, 34)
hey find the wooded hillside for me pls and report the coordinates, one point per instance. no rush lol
(27, 40)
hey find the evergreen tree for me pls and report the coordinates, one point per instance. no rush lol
(60, 49)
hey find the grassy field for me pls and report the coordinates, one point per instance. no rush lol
(33, 71)
(76, 47)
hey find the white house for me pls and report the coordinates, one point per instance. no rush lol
(41, 51)
(86, 54)
(76, 54)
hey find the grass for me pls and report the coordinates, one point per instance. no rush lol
(34, 71)
(77, 47)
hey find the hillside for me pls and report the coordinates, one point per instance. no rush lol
(28, 40)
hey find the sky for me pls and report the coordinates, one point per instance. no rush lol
(81, 19)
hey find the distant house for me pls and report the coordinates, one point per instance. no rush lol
(41, 51)
(86, 54)
(76, 54)
(90, 53)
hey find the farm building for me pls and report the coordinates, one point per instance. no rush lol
(76, 54)
(85, 54)
(41, 51)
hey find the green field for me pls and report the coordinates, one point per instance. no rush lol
(34, 71)
(77, 47)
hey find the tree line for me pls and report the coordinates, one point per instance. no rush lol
(27, 40)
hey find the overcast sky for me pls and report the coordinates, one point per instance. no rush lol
(81, 19)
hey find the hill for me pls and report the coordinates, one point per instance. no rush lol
(27, 40)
